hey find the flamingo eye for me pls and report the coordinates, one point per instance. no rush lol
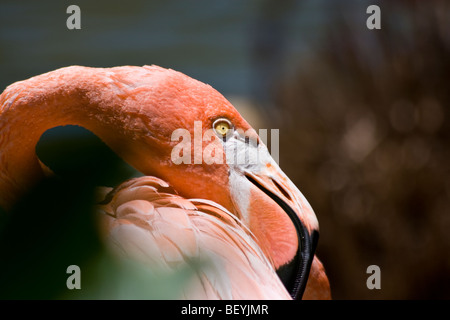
(222, 127)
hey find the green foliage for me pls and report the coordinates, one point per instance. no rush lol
(54, 226)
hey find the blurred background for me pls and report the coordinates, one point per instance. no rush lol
(363, 116)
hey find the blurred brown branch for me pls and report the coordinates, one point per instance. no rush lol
(366, 138)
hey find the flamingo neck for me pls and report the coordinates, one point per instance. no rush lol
(29, 108)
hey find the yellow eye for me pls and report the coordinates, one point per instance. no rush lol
(222, 126)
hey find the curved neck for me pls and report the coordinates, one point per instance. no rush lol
(69, 96)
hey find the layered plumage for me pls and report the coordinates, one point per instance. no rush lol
(144, 219)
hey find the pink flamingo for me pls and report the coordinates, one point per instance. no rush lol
(249, 220)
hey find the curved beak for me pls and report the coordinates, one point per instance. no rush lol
(272, 181)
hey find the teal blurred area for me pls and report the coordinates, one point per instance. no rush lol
(34, 38)
(209, 40)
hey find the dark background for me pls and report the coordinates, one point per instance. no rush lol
(363, 114)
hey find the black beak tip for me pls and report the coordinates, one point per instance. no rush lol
(295, 273)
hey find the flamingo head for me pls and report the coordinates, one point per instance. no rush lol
(198, 142)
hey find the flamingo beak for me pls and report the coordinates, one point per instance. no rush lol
(272, 181)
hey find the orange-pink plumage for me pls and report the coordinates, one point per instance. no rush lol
(250, 221)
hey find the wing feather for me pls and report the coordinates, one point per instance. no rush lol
(145, 220)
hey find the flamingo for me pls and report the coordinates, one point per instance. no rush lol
(249, 221)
